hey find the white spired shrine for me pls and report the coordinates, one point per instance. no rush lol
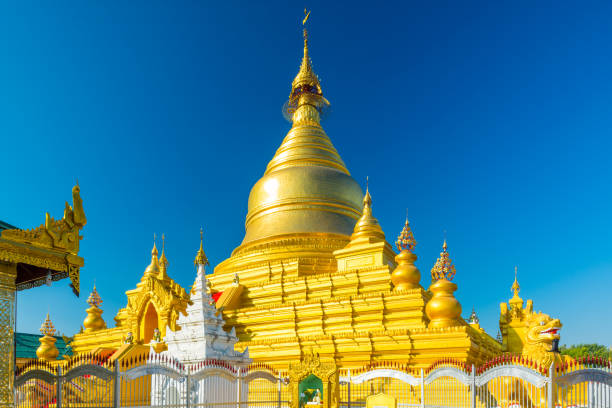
(199, 341)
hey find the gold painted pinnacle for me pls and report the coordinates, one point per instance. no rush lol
(443, 268)
(406, 240)
(94, 298)
(47, 327)
(201, 258)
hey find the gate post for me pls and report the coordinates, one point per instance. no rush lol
(348, 384)
(280, 390)
(238, 388)
(188, 388)
(551, 385)
(422, 389)
(58, 392)
(473, 385)
(117, 396)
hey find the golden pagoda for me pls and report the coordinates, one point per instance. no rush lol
(315, 259)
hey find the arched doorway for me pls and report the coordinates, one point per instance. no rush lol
(149, 323)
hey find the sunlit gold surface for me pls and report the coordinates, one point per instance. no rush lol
(527, 332)
(47, 349)
(155, 303)
(316, 267)
(94, 320)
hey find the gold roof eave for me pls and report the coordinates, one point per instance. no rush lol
(52, 247)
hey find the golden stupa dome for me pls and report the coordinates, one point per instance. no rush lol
(306, 187)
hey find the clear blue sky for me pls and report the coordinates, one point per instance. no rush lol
(490, 120)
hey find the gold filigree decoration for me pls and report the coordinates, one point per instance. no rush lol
(94, 298)
(443, 268)
(47, 327)
(406, 240)
(326, 371)
(60, 234)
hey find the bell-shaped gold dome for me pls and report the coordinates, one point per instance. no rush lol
(306, 187)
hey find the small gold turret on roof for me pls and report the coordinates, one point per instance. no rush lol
(443, 309)
(163, 261)
(94, 320)
(201, 258)
(367, 226)
(516, 299)
(47, 349)
(153, 268)
(406, 275)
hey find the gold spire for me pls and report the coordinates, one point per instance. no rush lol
(367, 226)
(94, 320)
(406, 275)
(306, 187)
(47, 349)
(406, 240)
(200, 258)
(153, 268)
(306, 80)
(516, 299)
(443, 268)
(163, 261)
(47, 328)
(94, 298)
(443, 309)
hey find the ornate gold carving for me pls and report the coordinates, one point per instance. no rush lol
(326, 370)
(443, 309)
(60, 234)
(7, 325)
(54, 245)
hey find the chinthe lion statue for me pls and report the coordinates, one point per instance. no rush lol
(541, 332)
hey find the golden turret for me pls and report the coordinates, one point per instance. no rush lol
(443, 309)
(201, 258)
(367, 227)
(406, 275)
(516, 300)
(163, 261)
(94, 320)
(153, 268)
(47, 349)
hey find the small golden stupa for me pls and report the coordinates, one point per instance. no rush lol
(94, 320)
(443, 309)
(47, 349)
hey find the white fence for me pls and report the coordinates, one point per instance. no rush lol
(150, 381)
(156, 381)
(505, 383)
